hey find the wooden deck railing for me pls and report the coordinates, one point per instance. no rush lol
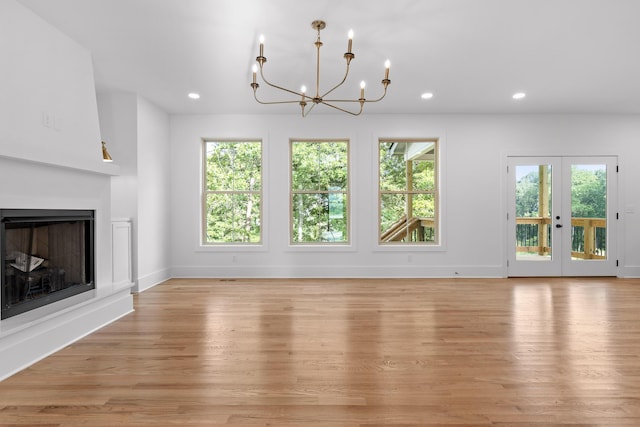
(412, 229)
(588, 237)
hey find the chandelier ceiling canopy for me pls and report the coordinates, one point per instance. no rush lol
(307, 101)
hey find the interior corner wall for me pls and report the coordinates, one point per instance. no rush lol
(119, 130)
(137, 135)
(153, 222)
(474, 149)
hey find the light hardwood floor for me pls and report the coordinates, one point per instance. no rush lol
(354, 352)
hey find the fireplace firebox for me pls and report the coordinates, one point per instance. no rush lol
(46, 255)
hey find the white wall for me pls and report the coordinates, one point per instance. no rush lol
(153, 196)
(474, 150)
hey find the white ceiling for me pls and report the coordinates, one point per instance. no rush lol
(569, 56)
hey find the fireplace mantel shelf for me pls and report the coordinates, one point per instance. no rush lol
(101, 168)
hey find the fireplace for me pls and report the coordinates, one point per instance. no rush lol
(46, 255)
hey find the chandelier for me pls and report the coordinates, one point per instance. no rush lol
(302, 98)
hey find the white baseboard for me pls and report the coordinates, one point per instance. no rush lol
(315, 271)
(150, 280)
(629, 271)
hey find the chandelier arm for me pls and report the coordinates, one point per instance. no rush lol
(379, 99)
(304, 114)
(282, 88)
(346, 74)
(324, 101)
(343, 110)
(357, 100)
(273, 102)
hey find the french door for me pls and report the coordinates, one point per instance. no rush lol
(561, 216)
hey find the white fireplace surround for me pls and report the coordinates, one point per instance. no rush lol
(50, 158)
(30, 336)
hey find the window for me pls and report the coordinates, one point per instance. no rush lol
(319, 192)
(232, 196)
(408, 192)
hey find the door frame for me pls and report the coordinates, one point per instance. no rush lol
(563, 264)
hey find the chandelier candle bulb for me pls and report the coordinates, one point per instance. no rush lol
(362, 85)
(303, 90)
(350, 41)
(255, 70)
(387, 65)
(261, 45)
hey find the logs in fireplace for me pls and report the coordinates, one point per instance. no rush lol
(46, 255)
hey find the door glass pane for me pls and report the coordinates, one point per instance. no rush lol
(533, 212)
(588, 212)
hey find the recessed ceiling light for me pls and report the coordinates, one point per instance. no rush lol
(426, 95)
(194, 95)
(519, 95)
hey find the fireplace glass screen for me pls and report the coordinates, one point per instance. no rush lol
(47, 256)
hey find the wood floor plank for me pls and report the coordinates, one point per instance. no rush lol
(349, 352)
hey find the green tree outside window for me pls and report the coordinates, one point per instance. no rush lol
(232, 196)
(319, 192)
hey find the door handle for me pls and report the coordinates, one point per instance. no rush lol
(558, 225)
